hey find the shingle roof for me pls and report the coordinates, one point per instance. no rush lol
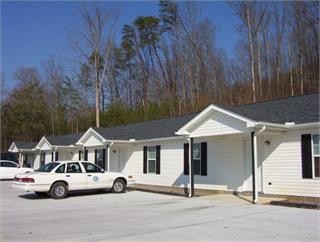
(298, 109)
(62, 140)
(24, 145)
(160, 128)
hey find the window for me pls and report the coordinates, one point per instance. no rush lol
(197, 158)
(9, 164)
(151, 159)
(91, 168)
(61, 169)
(48, 167)
(73, 168)
(316, 154)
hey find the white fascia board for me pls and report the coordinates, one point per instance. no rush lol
(88, 132)
(207, 111)
(42, 140)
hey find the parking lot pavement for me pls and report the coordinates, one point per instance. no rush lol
(141, 216)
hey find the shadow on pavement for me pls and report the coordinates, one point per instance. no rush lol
(33, 196)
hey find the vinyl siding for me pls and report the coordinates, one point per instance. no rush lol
(225, 165)
(282, 166)
(218, 124)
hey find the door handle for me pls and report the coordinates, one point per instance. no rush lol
(89, 175)
(67, 175)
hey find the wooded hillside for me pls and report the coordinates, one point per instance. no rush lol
(165, 65)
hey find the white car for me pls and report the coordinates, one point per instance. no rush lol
(8, 169)
(58, 178)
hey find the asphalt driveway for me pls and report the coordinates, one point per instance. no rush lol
(141, 216)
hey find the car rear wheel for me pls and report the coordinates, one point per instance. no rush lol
(41, 194)
(59, 190)
(119, 186)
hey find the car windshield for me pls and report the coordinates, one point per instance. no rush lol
(48, 167)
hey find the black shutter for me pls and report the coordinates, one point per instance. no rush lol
(145, 157)
(57, 156)
(203, 158)
(103, 165)
(52, 156)
(79, 155)
(85, 154)
(186, 159)
(306, 156)
(95, 156)
(158, 148)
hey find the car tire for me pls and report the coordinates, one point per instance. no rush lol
(119, 186)
(41, 194)
(59, 190)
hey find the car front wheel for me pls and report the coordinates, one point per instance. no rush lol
(59, 190)
(119, 186)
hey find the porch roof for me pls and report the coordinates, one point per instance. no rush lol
(64, 140)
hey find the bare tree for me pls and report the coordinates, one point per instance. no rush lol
(95, 37)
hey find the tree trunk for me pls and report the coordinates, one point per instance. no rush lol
(251, 55)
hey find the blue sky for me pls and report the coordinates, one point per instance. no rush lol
(33, 31)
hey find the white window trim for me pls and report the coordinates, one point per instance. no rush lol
(314, 155)
(197, 159)
(148, 159)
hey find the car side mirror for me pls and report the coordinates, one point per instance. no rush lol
(103, 171)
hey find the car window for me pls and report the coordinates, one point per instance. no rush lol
(91, 168)
(8, 164)
(73, 168)
(61, 169)
(48, 167)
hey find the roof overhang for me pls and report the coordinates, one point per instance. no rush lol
(15, 149)
(185, 130)
(87, 134)
(250, 124)
(42, 141)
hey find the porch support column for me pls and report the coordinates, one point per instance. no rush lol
(108, 157)
(53, 155)
(191, 176)
(20, 158)
(254, 166)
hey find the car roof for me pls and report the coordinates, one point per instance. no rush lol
(69, 161)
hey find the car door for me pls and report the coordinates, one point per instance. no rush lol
(75, 176)
(96, 176)
(8, 169)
